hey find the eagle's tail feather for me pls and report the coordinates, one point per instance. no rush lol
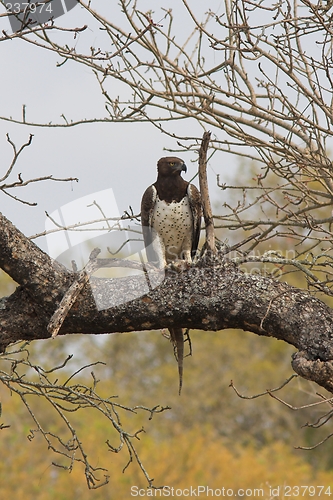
(177, 338)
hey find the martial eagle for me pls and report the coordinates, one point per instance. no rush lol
(171, 218)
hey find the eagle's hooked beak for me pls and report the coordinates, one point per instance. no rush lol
(178, 166)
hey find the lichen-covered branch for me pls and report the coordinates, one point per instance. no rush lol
(212, 295)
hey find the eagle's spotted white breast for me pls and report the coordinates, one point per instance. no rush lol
(170, 215)
(173, 226)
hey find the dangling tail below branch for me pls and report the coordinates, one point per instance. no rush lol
(177, 338)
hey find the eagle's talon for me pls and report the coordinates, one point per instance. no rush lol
(150, 266)
(179, 265)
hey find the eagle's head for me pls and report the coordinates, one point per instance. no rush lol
(170, 165)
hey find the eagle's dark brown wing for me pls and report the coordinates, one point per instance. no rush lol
(147, 209)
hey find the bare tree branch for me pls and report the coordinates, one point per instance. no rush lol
(206, 206)
(20, 182)
(64, 398)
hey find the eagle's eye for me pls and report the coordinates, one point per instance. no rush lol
(172, 163)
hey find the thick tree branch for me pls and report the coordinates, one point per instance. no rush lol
(212, 295)
(28, 265)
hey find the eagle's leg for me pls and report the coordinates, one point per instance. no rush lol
(177, 339)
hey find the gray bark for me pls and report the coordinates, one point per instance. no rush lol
(211, 295)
